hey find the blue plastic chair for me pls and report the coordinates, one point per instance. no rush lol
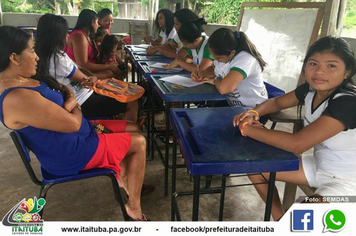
(48, 180)
(286, 116)
(273, 91)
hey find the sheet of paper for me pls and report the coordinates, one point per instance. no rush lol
(142, 46)
(158, 65)
(181, 80)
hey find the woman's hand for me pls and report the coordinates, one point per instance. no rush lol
(208, 81)
(195, 77)
(173, 64)
(248, 121)
(238, 119)
(89, 82)
(147, 39)
(116, 71)
(151, 50)
(70, 103)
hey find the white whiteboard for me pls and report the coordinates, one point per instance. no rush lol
(282, 37)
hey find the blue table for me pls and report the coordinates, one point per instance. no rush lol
(210, 145)
(137, 53)
(144, 68)
(143, 56)
(130, 50)
(169, 93)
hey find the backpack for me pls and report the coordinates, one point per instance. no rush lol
(122, 91)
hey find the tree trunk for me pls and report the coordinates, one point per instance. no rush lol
(57, 8)
(171, 5)
(337, 14)
(73, 8)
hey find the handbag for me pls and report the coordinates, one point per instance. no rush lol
(122, 91)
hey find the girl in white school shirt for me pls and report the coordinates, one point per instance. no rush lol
(173, 47)
(237, 69)
(329, 124)
(199, 56)
(164, 24)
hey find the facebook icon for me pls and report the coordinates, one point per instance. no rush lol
(302, 220)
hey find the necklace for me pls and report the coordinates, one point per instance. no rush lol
(19, 80)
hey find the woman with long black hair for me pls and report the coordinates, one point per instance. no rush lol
(50, 41)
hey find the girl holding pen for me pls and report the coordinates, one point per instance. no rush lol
(329, 124)
(199, 56)
(236, 71)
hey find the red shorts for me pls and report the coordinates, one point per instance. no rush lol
(112, 148)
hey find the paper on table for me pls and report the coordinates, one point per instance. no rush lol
(181, 80)
(158, 65)
(142, 46)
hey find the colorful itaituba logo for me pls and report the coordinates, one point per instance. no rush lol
(25, 212)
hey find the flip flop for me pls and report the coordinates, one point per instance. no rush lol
(143, 218)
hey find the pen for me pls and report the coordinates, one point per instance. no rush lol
(198, 67)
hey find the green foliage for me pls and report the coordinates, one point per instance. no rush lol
(145, 2)
(44, 6)
(15, 6)
(350, 19)
(219, 11)
(222, 12)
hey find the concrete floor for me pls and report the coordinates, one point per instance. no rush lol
(93, 199)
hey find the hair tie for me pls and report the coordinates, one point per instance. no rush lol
(237, 33)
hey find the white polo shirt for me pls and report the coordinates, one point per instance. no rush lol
(251, 90)
(164, 37)
(62, 68)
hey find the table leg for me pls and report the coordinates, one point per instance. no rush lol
(174, 171)
(196, 193)
(222, 197)
(148, 113)
(166, 154)
(133, 71)
(152, 121)
(272, 179)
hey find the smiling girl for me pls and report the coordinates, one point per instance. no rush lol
(106, 19)
(164, 24)
(173, 47)
(329, 124)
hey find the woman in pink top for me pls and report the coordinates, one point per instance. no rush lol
(81, 46)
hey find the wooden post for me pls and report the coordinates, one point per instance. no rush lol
(333, 16)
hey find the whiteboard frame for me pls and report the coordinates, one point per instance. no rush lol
(322, 16)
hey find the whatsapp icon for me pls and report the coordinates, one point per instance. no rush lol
(334, 220)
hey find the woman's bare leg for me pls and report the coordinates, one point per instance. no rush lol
(296, 177)
(135, 171)
(132, 127)
(131, 112)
